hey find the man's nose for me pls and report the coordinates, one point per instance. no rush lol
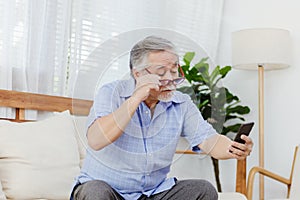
(168, 75)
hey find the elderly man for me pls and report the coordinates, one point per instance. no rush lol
(134, 127)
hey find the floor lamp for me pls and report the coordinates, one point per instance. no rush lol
(261, 49)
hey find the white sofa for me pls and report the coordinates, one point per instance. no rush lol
(39, 160)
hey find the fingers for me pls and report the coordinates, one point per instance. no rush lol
(241, 151)
(146, 83)
(238, 153)
(247, 139)
(149, 80)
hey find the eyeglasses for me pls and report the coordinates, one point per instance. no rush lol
(175, 81)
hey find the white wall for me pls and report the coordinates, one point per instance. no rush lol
(282, 88)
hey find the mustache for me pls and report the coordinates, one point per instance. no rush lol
(168, 88)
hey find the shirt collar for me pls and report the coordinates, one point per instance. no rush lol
(127, 88)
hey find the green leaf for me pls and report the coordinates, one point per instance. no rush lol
(239, 109)
(188, 57)
(232, 128)
(216, 82)
(230, 97)
(203, 104)
(185, 69)
(202, 68)
(214, 74)
(224, 71)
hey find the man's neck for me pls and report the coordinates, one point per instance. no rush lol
(151, 105)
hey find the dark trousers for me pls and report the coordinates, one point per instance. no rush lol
(182, 190)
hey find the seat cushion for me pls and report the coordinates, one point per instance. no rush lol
(39, 160)
(231, 196)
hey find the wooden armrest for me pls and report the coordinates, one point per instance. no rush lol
(264, 172)
(185, 152)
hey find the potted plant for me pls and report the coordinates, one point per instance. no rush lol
(216, 103)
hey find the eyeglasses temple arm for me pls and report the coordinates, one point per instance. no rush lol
(181, 71)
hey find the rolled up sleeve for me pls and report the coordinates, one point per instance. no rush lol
(195, 128)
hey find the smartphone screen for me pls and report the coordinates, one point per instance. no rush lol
(244, 129)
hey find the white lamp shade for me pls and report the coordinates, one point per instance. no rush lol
(269, 47)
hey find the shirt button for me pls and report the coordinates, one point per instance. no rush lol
(147, 112)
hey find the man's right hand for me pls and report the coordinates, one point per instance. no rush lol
(144, 84)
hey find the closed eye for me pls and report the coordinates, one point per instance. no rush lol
(161, 74)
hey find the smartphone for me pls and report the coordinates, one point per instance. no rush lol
(244, 129)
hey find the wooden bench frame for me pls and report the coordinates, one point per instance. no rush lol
(21, 101)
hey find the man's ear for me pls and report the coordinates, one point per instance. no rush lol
(135, 73)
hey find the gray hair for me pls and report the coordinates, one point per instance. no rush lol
(141, 50)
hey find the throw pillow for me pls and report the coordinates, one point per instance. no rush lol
(38, 159)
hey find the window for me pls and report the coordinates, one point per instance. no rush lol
(70, 47)
(102, 33)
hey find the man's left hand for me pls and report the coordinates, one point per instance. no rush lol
(241, 151)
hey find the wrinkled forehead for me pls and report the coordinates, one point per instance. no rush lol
(165, 57)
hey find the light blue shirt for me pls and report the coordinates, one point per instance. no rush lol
(139, 160)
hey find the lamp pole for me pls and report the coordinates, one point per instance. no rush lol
(261, 49)
(261, 126)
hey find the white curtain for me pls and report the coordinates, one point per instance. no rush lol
(69, 47)
(34, 46)
(103, 32)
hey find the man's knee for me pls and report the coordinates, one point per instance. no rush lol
(209, 191)
(201, 189)
(94, 190)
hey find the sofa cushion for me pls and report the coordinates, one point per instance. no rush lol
(38, 159)
(231, 196)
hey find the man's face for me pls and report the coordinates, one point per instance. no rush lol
(165, 65)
